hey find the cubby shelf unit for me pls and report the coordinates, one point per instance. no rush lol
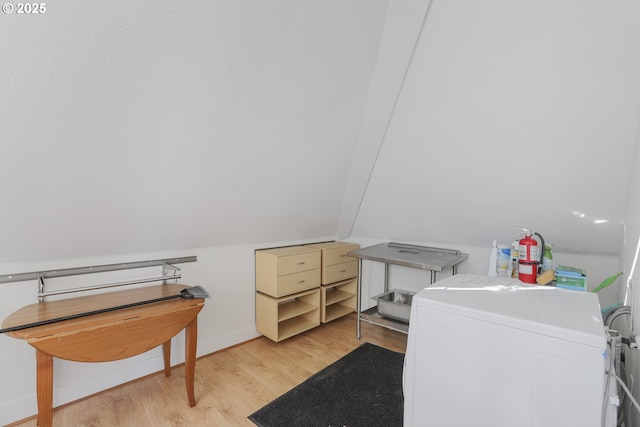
(279, 318)
(338, 299)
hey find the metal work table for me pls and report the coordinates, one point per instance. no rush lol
(414, 256)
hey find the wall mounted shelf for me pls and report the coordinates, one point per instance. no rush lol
(169, 272)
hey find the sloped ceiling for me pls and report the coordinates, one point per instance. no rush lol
(134, 127)
(511, 113)
(145, 126)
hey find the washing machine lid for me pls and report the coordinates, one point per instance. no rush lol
(565, 314)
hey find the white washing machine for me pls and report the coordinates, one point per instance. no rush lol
(495, 352)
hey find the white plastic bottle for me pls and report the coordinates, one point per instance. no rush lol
(504, 259)
(493, 260)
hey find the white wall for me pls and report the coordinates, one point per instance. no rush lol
(511, 113)
(135, 127)
(137, 131)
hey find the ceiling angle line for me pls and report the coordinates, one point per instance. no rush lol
(390, 117)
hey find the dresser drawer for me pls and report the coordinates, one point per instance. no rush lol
(338, 255)
(296, 282)
(283, 271)
(298, 262)
(339, 272)
(336, 264)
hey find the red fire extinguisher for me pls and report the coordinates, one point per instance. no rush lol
(530, 257)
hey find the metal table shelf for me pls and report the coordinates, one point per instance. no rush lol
(371, 316)
(422, 257)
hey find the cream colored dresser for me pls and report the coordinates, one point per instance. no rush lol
(297, 287)
(339, 290)
(287, 291)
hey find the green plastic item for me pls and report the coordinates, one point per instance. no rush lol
(607, 282)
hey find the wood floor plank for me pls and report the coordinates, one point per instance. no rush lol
(229, 385)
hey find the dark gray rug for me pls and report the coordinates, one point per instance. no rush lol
(364, 388)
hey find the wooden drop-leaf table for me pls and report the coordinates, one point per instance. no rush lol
(108, 334)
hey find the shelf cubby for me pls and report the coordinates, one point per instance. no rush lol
(338, 299)
(281, 318)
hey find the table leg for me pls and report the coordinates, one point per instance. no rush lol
(359, 299)
(44, 388)
(191, 341)
(166, 353)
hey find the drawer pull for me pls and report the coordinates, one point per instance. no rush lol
(343, 271)
(302, 263)
(301, 281)
(343, 255)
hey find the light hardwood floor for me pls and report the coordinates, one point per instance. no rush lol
(230, 384)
